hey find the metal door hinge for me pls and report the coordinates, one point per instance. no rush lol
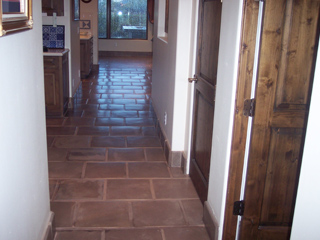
(238, 208)
(249, 107)
(194, 79)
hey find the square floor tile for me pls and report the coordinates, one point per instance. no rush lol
(193, 210)
(198, 233)
(112, 106)
(108, 142)
(57, 154)
(126, 154)
(54, 121)
(157, 213)
(174, 188)
(79, 121)
(84, 189)
(97, 113)
(144, 141)
(98, 131)
(110, 122)
(78, 235)
(140, 107)
(139, 121)
(128, 189)
(148, 170)
(103, 214)
(72, 141)
(177, 172)
(124, 101)
(149, 131)
(106, 170)
(65, 169)
(87, 154)
(124, 113)
(134, 234)
(125, 131)
(155, 154)
(63, 213)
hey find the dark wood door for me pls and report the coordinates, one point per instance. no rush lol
(204, 93)
(286, 66)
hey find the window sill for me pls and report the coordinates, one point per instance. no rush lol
(164, 39)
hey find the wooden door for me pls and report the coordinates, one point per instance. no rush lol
(286, 65)
(204, 93)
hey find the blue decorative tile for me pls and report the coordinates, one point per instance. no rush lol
(53, 37)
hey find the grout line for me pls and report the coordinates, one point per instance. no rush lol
(127, 170)
(106, 159)
(75, 210)
(103, 235)
(76, 131)
(163, 235)
(130, 212)
(145, 154)
(105, 190)
(84, 166)
(153, 193)
(183, 212)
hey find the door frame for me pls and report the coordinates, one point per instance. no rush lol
(250, 13)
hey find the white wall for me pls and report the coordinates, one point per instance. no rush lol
(72, 42)
(24, 194)
(89, 11)
(122, 45)
(224, 107)
(306, 214)
(171, 64)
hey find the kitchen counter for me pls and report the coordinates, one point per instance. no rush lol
(56, 52)
(85, 37)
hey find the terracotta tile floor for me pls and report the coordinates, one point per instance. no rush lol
(108, 175)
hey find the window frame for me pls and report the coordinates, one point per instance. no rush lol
(108, 37)
(15, 22)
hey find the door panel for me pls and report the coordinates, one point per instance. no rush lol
(204, 93)
(286, 65)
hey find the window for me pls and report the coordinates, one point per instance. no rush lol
(122, 19)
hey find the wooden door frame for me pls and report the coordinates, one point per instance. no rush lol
(250, 13)
(239, 136)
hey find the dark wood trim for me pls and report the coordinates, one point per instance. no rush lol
(123, 54)
(200, 184)
(246, 59)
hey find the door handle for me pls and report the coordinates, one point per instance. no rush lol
(194, 79)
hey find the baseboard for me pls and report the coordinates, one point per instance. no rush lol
(210, 222)
(123, 54)
(51, 228)
(174, 158)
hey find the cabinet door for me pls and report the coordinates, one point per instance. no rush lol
(52, 86)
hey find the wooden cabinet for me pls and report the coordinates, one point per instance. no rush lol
(51, 6)
(86, 56)
(56, 83)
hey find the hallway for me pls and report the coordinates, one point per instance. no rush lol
(108, 175)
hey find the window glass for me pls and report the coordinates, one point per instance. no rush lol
(128, 19)
(102, 18)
